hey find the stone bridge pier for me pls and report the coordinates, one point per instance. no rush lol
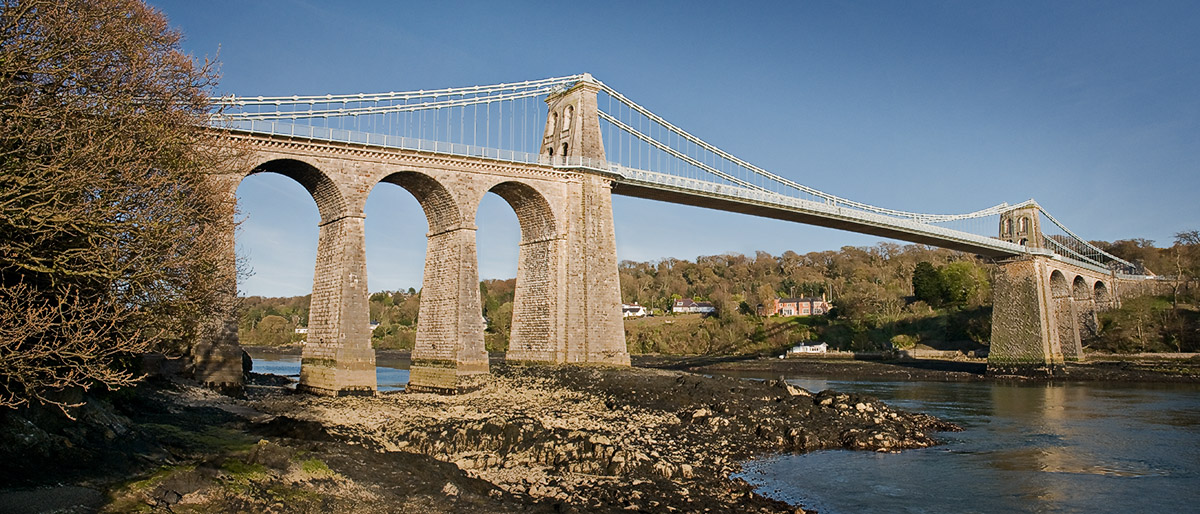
(567, 299)
(1043, 308)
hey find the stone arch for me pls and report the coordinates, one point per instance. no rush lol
(1080, 289)
(535, 336)
(1058, 285)
(331, 204)
(449, 355)
(1006, 227)
(568, 117)
(1023, 225)
(564, 152)
(337, 358)
(534, 214)
(441, 209)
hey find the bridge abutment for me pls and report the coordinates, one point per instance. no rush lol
(338, 358)
(216, 357)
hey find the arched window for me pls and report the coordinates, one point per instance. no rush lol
(564, 151)
(1023, 241)
(554, 122)
(1006, 227)
(568, 117)
(1022, 225)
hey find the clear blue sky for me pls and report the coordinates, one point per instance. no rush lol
(1092, 108)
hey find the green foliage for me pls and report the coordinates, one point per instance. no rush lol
(904, 342)
(1148, 324)
(927, 283)
(316, 468)
(963, 282)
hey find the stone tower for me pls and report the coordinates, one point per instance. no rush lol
(588, 315)
(1022, 226)
(573, 125)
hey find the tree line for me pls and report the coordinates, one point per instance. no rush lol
(885, 296)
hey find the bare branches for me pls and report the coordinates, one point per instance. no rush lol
(113, 241)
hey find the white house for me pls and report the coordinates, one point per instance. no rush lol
(687, 305)
(809, 348)
(632, 311)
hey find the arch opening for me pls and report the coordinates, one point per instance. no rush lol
(1058, 285)
(441, 210)
(330, 203)
(1080, 289)
(396, 248)
(1100, 293)
(525, 328)
(276, 240)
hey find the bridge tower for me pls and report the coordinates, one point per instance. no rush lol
(1022, 226)
(586, 304)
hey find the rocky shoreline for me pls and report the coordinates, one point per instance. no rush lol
(535, 439)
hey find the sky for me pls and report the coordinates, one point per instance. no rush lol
(1092, 108)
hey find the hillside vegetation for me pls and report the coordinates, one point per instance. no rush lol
(885, 296)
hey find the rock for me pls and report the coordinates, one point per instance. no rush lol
(685, 471)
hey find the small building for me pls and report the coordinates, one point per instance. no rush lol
(809, 348)
(686, 305)
(633, 311)
(805, 306)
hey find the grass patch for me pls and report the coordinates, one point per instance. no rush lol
(316, 468)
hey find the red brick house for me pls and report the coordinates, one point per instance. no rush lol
(807, 306)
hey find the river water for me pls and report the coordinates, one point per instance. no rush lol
(1075, 447)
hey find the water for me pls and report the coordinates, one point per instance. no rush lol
(1065, 448)
(391, 374)
(1026, 448)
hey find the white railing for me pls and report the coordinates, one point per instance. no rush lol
(335, 135)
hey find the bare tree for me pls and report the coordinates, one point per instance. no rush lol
(112, 241)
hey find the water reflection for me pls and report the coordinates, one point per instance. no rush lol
(1026, 448)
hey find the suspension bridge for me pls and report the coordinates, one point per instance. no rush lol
(556, 149)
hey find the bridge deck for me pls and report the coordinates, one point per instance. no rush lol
(739, 205)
